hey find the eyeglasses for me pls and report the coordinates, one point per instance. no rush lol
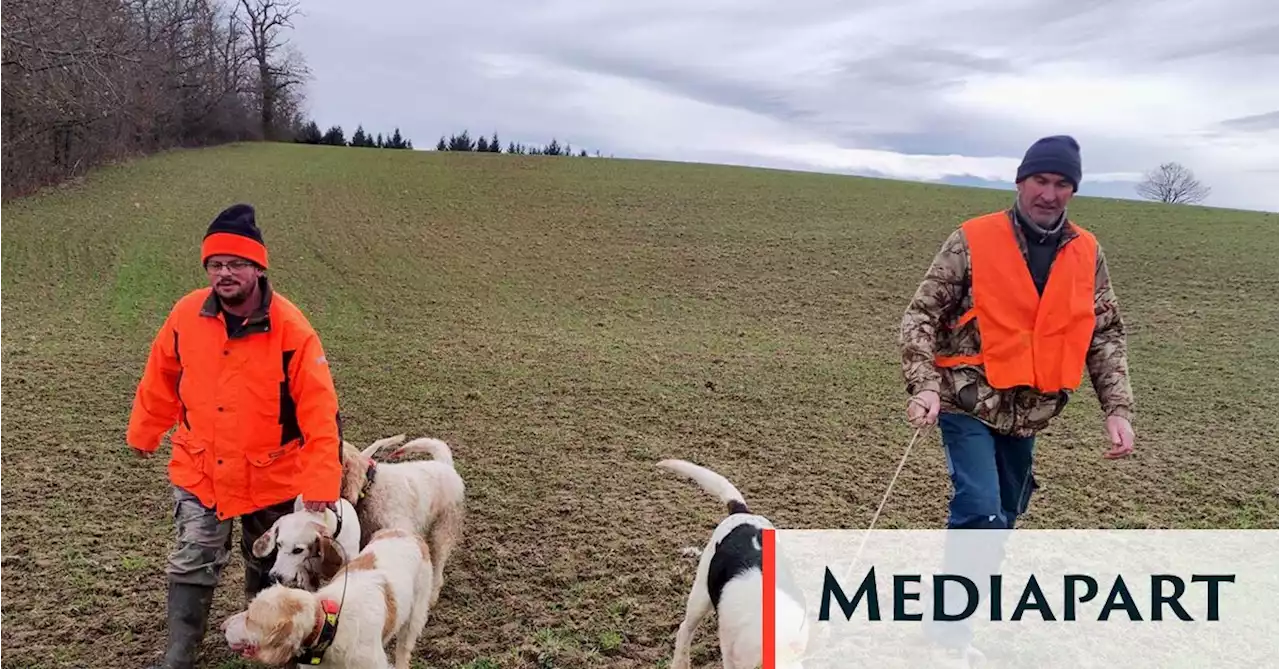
(234, 266)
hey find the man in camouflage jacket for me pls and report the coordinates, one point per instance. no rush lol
(960, 398)
(988, 435)
(1023, 412)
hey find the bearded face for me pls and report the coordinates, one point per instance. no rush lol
(234, 279)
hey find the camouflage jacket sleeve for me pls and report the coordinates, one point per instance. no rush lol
(935, 302)
(1108, 352)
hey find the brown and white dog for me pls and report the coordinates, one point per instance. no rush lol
(425, 497)
(382, 594)
(310, 547)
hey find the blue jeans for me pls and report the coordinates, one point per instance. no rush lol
(991, 479)
(991, 482)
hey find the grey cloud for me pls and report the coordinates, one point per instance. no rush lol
(707, 26)
(1255, 123)
(1131, 36)
(689, 82)
(853, 102)
(1251, 40)
(916, 68)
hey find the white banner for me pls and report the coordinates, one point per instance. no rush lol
(1063, 598)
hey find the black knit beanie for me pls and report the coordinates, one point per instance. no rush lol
(235, 232)
(1059, 154)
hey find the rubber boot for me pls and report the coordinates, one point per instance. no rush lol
(189, 607)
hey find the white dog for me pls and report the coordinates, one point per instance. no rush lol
(310, 546)
(382, 594)
(426, 497)
(729, 579)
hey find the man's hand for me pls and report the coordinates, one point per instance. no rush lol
(922, 409)
(319, 507)
(1121, 434)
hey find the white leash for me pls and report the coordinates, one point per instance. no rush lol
(883, 500)
(826, 630)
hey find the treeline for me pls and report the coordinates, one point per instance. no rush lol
(463, 142)
(86, 82)
(310, 133)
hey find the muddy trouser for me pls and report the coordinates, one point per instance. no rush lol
(204, 543)
(201, 552)
(992, 482)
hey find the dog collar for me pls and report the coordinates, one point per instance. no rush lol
(337, 522)
(327, 624)
(370, 475)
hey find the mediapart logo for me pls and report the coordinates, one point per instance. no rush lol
(1077, 589)
(1045, 598)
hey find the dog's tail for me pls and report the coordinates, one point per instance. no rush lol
(436, 448)
(380, 444)
(711, 482)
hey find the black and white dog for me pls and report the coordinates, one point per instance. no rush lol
(730, 580)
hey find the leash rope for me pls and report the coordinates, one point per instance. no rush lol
(346, 574)
(875, 516)
(316, 655)
(826, 631)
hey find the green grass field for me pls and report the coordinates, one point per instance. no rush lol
(564, 324)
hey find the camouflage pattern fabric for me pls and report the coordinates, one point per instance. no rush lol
(943, 296)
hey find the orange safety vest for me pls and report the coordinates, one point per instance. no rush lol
(1028, 339)
(256, 414)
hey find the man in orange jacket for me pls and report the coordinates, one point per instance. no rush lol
(1015, 309)
(239, 371)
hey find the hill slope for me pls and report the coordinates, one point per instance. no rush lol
(564, 324)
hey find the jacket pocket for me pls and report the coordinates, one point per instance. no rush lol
(266, 454)
(186, 465)
(1041, 408)
(274, 472)
(972, 395)
(260, 416)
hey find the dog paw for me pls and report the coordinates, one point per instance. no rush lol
(691, 552)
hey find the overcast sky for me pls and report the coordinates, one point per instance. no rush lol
(917, 89)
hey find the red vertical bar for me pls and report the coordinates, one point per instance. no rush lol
(768, 624)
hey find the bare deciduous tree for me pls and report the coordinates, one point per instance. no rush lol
(87, 82)
(280, 66)
(1174, 184)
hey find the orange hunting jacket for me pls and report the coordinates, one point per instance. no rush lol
(256, 414)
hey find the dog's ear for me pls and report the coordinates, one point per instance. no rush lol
(350, 452)
(270, 621)
(353, 477)
(266, 543)
(331, 559)
(297, 504)
(276, 648)
(378, 445)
